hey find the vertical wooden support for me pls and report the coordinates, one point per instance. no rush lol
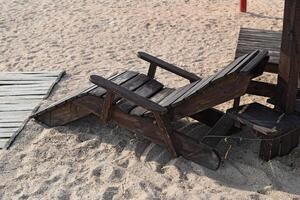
(106, 109)
(289, 57)
(165, 130)
(236, 102)
(269, 148)
(152, 70)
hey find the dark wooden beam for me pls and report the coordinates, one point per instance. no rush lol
(262, 89)
(289, 57)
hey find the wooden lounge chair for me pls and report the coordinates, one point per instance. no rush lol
(144, 106)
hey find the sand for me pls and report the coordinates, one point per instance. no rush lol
(87, 160)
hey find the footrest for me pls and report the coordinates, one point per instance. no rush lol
(280, 132)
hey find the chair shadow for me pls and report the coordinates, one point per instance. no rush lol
(241, 170)
(252, 14)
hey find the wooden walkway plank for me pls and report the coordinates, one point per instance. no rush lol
(6, 134)
(20, 95)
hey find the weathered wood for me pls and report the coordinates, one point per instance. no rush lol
(252, 39)
(158, 97)
(6, 130)
(221, 128)
(211, 96)
(196, 87)
(147, 90)
(177, 94)
(6, 134)
(165, 131)
(127, 94)
(145, 126)
(118, 79)
(9, 125)
(262, 89)
(208, 116)
(106, 108)
(152, 70)
(289, 65)
(236, 102)
(169, 67)
(3, 142)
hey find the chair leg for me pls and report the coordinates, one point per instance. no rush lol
(289, 142)
(269, 148)
(165, 130)
(106, 108)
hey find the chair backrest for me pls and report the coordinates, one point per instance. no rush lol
(249, 65)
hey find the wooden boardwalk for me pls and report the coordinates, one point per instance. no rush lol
(20, 95)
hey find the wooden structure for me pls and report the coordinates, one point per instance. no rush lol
(284, 61)
(20, 95)
(144, 106)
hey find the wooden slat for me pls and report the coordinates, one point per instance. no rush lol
(3, 142)
(221, 128)
(7, 77)
(231, 66)
(158, 97)
(147, 90)
(198, 86)
(119, 79)
(74, 96)
(23, 93)
(177, 94)
(42, 73)
(24, 82)
(252, 39)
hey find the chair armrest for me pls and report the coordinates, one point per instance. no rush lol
(127, 94)
(169, 67)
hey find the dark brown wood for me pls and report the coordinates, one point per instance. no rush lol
(252, 39)
(106, 108)
(221, 128)
(152, 70)
(146, 127)
(169, 67)
(289, 57)
(209, 116)
(177, 94)
(236, 102)
(127, 94)
(165, 131)
(139, 111)
(279, 131)
(119, 79)
(211, 96)
(147, 90)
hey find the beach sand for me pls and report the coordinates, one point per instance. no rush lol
(87, 160)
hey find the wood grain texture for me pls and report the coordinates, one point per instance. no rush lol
(20, 96)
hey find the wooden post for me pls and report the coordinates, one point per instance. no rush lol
(289, 57)
(243, 5)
